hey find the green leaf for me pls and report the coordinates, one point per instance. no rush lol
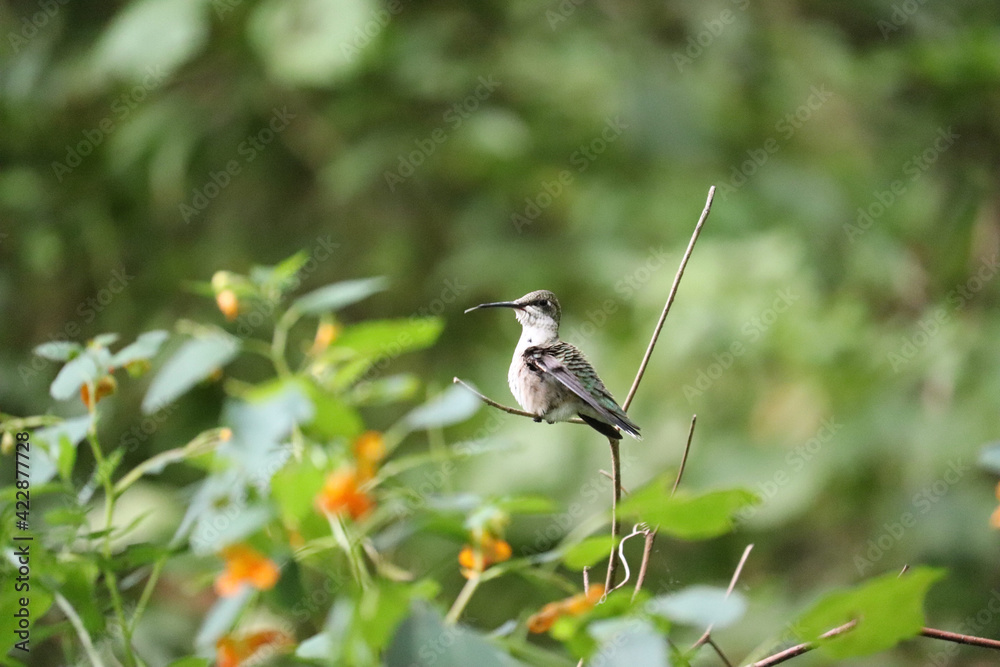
(59, 350)
(700, 606)
(589, 551)
(422, 640)
(145, 347)
(338, 295)
(104, 340)
(190, 662)
(381, 610)
(989, 458)
(194, 361)
(220, 619)
(377, 339)
(690, 517)
(294, 487)
(333, 418)
(281, 276)
(381, 391)
(51, 455)
(628, 642)
(150, 38)
(453, 405)
(888, 609)
(526, 504)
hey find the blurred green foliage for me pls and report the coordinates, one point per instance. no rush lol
(835, 331)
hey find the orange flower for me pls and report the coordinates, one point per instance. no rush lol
(231, 651)
(340, 494)
(228, 304)
(326, 333)
(579, 604)
(489, 551)
(105, 387)
(245, 565)
(369, 450)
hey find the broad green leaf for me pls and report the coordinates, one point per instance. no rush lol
(390, 338)
(381, 610)
(145, 347)
(332, 417)
(281, 276)
(526, 504)
(589, 551)
(392, 389)
(194, 361)
(318, 647)
(103, 340)
(190, 662)
(628, 642)
(690, 517)
(453, 405)
(294, 488)
(338, 295)
(58, 350)
(888, 609)
(39, 600)
(989, 458)
(422, 640)
(700, 606)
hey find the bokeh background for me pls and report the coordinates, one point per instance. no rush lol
(836, 331)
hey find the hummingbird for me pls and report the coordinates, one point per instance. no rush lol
(552, 379)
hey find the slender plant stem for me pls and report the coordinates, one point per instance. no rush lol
(706, 638)
(471, 584)
(684, 457)
(81, 631)
(956, 638)
(647, 550)
(670, 299)
(147, 591)
(500, 406)
(799, 649)
(616, 496)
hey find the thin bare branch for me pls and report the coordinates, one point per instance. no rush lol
(971, 640)
(706, 638)
(799, 649)
(500, 406)
(718, 652)
(616, 496)
(684, 458)
(646, 551)
(670, 299)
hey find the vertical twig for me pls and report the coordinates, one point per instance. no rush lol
(616, 496)
(684, 457)
(670, 298)
(647, 549)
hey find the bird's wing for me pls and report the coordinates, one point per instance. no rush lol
(544, 360)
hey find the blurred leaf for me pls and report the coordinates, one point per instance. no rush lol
(700, 606)
(103, 340)
(422, 640)
(589, 551)
(58, 350)
(392, 389)
(525, 504)
(294, 487)
(888, 608)
(989, 458)
(453, 405)
(190, 662)
(311, 42)
(148, 39)
(145, 347)
(220, 619)
(194, 361)
(381, 610)
(281, 276)
(691, 517)
(55, 441)
(390, 338)
(318, 647)
(333, 418)
(77, 372)
(628, 642)
(338, 295)
(39, 602)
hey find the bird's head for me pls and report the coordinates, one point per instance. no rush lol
(535, 310)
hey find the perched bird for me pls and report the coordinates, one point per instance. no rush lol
(552, 379)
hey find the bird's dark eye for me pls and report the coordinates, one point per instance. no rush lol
(544, 303)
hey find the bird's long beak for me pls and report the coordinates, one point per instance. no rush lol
(496, 304)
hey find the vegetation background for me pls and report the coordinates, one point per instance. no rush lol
(836, 331)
